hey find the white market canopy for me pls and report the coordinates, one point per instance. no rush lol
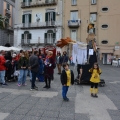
(9, 48)
(15, 48)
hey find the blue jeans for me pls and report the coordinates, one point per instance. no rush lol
(30, 75)
(2, 76)
(34, 75)
(40, 77)
(64, 91)
(22, 77)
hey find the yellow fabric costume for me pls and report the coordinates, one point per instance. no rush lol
(68, 77)
(95, 78)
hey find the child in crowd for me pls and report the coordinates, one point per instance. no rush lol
(95, 79)
(67, 78)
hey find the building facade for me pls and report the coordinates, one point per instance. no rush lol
(7, 8)
(104, 14)
(38, 23)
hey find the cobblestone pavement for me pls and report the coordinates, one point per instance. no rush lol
(19, 103)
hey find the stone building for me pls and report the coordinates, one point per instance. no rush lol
(7, 8)
(104, 14)
(38, 23)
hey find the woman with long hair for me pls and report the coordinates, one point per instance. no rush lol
(48, 69)
(95, 79)
(23, 64)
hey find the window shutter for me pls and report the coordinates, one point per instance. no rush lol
(22, 36)
(46, 17)
(54, 35)
(30, 17)
(23, 19)
(54, 16)
(30, 36)
(45, 36)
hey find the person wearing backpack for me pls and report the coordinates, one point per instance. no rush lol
(2, 69)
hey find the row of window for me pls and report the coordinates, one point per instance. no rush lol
(74, 2)
(49, 16)
(49, 37)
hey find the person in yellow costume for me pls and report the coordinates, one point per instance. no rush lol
(95, 79)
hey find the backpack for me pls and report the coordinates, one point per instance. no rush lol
(7, 63)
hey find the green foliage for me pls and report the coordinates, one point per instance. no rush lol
(2, 21)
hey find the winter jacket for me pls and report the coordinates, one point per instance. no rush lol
(2, 63)
(64, 77)
(49, 69)
(34, 63)
(60, 60)
(23, 62)
(65, 59)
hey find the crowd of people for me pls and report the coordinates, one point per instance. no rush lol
(36, 64)
(41, 65)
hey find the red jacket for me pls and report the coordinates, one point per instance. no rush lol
(2, 63)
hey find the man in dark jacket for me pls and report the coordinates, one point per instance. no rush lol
(65, 58)
(34, 67)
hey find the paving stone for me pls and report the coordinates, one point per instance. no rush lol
(66, 115)
(31, 118)
(3, 95)
(113, 117)
(48, 118)
(19, 111)
(50, 114)
(14, 117)
(81, 117)
(26, 106)
(7, 109)
(114, 112)
(31, 100)
(36, 112)
(65, 119)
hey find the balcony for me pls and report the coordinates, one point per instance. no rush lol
(7, 13)
(37, 42)
(49, 41)
(37, 3)
(39, 25)
(74, 23)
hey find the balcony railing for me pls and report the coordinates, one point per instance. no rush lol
(74, 23)
(37, 3)
(38, 25)
(49, 41)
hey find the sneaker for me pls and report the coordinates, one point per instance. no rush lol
(24, 84)
(31, 89)
(4, 84)
(1, 83)
(66, 99)
(96, 96)
(36, 88)
(18, 85)
(45, 86)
